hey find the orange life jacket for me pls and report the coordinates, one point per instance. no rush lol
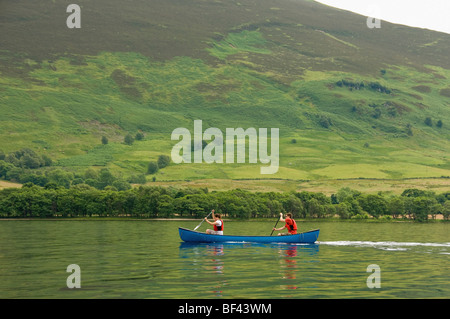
(291, 226)
(219, 228)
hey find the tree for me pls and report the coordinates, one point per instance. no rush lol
(91, 182)
(446, 209)
(139, 136)
(329, 210)
(409, 206)
(60, 177)
(90, 173)
(375, 205)
(428, 121)
(26, 158)
(47, 160)
(274, 206)
(36, 179)
(129, 140)
(435, 209)
(343, 210)
(5, 168)
(396, 206)
(28, 161)
(152, 168)
(12, 158)
(422, 206)
(104, 140)
(121, 185)
(163, 161)
(105, 178)
(294, 205)
(324, 121)
(355, 207)
(137, 179)
(165, 206)
(315, 208)
(413, 192)
(439, 123)
(346, 194)
(334, 199)
(51, 185)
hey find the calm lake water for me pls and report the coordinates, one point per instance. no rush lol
(146, 259)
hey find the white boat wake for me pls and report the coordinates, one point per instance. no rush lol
(387, 245)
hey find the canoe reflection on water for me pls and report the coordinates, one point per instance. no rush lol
(307, 248)
(289, 251)
(231, 261)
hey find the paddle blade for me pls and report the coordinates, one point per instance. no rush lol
(198, 225)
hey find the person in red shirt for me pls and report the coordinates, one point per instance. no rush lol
(218, 225)
(290, 225)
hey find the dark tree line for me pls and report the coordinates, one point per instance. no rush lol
(374, 86)
(59, 177)
(25, 158)
(151, 202)
(26, 166)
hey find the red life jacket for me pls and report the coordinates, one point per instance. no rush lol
(219, 228)
(291, 226)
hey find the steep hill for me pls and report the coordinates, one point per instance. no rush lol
(349, 101)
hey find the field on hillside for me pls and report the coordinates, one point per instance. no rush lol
(327, 187)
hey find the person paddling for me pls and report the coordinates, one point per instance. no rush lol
(290, 225)
(217, 223)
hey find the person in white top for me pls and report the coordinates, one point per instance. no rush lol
(218, 225)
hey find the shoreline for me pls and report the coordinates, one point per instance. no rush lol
(439, 218)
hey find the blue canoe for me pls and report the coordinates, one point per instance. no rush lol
(308, 237)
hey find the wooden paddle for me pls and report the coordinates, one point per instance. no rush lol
(203, 220)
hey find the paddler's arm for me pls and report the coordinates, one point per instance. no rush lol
(281, 228)
(281, 220)
(211, 223)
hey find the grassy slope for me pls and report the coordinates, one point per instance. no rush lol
(248, 64)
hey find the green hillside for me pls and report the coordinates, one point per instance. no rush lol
(350, 102)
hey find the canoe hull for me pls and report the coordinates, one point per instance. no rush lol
(188, 235)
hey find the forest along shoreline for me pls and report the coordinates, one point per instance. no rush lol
(156, 202)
